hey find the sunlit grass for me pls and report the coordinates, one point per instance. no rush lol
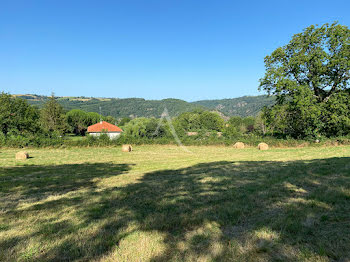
(160, 203)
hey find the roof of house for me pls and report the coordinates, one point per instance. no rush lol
(103, 126)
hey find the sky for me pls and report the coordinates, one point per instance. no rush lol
(153, 49)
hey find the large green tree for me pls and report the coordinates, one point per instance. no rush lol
(200, 120)
(93, 118)
(308, 75)
(17, 117)
(53, 118)
(211, 121)
(78, 120)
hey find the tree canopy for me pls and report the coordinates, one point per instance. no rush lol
(310, 78)
(53, 118)
(17, 116)
(317, 59)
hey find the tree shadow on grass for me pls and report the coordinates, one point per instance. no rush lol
(218, 211)
(39, 182)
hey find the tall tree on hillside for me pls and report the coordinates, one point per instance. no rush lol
(309, 74)
(53, 118)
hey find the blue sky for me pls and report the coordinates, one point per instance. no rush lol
(184, 49)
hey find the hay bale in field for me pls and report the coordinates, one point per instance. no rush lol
(239, 145)
(22, 155)
(263, 146)
(126, 148)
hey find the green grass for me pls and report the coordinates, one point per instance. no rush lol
(160, 203)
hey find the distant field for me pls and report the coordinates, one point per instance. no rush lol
(160, 203)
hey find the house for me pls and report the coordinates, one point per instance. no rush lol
(104, 128)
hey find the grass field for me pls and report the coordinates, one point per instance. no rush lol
(160, 203)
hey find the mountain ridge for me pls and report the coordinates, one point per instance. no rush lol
(242, 106)
(140, 107)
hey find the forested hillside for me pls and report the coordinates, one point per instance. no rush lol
(241, 106)
(129, 107)
(138, 107)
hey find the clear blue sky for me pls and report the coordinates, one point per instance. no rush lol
(152, 49)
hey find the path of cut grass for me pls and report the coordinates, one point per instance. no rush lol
(159, 203)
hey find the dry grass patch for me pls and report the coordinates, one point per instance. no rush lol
(163, 204)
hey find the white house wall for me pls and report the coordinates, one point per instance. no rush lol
(110, 135)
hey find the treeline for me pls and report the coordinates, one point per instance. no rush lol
(241, 106)
(23, 125)
(139, 107)
(118, 108)
(197, 124)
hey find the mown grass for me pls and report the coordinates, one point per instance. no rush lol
(160, 203)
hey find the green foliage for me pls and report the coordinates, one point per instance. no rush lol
(120, 108)
(136, 127)
(240, 125)
(92, 118)
(200, 120)
(124, 121)
(17, 116)
(110, 119)
(144, 128)
(53, 118)
(260, 126)
(137, 107)
(78, 120)
(336, 114)
(154, 129)
(189, 121)
(310, 78)
(231, 132)
(241, 106)
(103, 139)
(211, 121)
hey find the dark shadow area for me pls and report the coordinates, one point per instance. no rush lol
(38, 182)
(218, 211)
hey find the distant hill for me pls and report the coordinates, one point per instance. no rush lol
(242, 106)
(129, 107)
(139, 107)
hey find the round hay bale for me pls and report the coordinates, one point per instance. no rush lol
(263, 146)
(239, 145)
(22, 155)
(126, 148)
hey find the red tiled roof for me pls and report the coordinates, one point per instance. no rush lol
(103, 127)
